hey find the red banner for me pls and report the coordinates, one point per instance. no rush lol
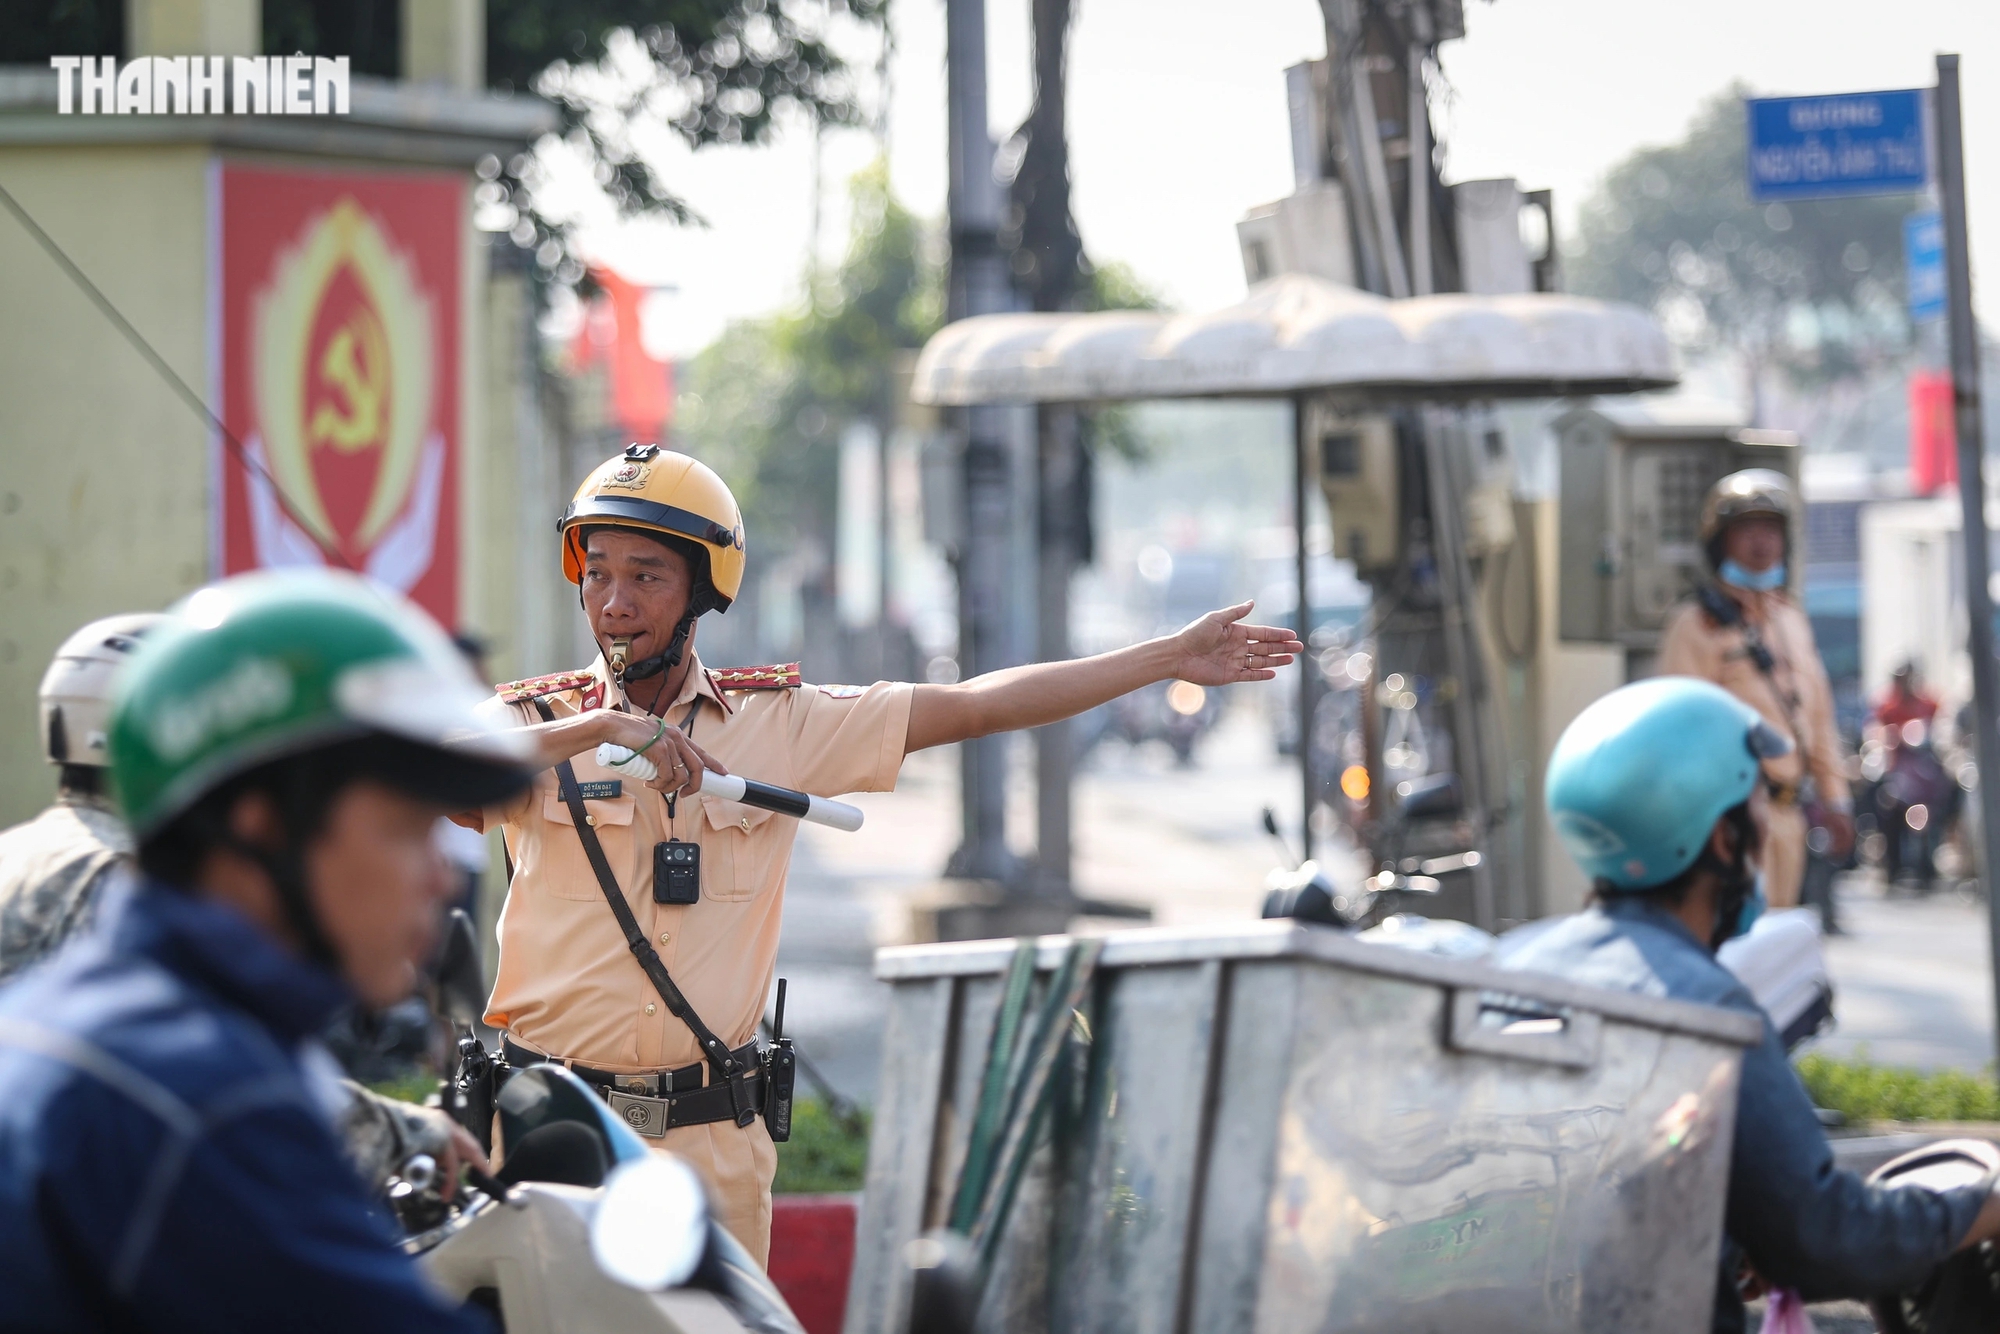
(339, 341)
(1933, 433)
(641, 402)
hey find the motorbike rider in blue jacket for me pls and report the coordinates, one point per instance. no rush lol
(1655, 790)
(281, 748)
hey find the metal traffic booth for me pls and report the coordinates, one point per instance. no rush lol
(1387, 401)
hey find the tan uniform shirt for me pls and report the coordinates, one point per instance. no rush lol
(569, 987)
(1795, 698)
(567, 984)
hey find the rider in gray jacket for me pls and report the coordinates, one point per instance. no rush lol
(53, 869)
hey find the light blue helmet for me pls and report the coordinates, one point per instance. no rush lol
(1640, 777)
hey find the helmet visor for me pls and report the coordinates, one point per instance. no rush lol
(1767, 742)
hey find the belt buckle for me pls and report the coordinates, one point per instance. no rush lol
(646, 1115)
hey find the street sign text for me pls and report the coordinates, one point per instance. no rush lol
(1845, 144)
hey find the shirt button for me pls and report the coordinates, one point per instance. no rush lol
(590, 820)
(745, 822)
(666, 936)
(649, 1007)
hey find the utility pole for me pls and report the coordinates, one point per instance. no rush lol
(1305, 476)
(1971, 480)
(1063, 494)
(1045, 255)
(978, 285)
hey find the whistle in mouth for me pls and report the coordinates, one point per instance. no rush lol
(621, 653)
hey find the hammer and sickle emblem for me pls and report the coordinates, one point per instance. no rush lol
(355, 365)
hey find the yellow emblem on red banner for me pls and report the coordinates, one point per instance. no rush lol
(343, 369)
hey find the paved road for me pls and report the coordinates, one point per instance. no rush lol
(1188, 842)
(1911, 975)
(1912, 979)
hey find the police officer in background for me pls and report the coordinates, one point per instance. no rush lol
(653, 539)
(1743, 631)
(53, 868)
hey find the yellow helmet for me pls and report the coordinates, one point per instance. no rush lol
(659, 491)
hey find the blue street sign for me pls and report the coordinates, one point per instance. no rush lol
(1846, 144)
(1923, 264)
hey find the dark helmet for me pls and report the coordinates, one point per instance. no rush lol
(1961, 1295)
(1738, 496)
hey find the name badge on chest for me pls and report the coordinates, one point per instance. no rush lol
(602, 790)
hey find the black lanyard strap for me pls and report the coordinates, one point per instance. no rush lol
(720, 1058)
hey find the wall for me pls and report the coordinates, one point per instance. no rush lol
(1912, 593)
(103, 470)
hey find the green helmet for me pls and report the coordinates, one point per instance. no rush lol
(269, 665)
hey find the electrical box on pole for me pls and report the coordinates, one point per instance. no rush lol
(1633, 480)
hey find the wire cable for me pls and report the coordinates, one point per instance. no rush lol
(180, 387)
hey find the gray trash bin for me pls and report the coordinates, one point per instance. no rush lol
(1281, 1128)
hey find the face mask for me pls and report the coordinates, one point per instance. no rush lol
(1762, 581)
(1753, 908)
(1742, 903)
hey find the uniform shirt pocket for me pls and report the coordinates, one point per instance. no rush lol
(734, 851)
(612, 820)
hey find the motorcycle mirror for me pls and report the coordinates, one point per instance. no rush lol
(1433, 794)
(461, 982)
(652, 1224)
(1271, 828)
(1307, 895)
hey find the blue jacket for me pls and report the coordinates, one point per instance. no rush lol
(167, 1161)
(1801, 1222)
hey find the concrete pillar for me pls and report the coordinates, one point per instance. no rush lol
(444, 42)
(194, 27)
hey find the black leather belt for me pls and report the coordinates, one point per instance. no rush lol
(659, 1101)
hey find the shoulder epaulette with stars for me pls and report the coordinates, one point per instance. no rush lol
(535, 687)
(778, 676)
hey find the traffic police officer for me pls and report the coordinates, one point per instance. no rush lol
(53, 869)
(1744, 632)
(653, 539)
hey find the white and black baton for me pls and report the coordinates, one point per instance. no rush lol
(729, 787)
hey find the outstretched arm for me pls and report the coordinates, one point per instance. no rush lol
(1215, 650)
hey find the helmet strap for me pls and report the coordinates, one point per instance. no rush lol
(660, 662)
(287, 873)
(1737, 881)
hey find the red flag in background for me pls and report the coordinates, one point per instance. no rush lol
(642, 389)
(1933, 437)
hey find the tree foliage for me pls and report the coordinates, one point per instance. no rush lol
(707, 71)
(1814, 289)
(710, 71)
(767, 402)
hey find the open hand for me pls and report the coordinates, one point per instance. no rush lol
(1218, 649)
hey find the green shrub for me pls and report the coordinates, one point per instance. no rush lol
(1863, 1091)
(412, 1087)
(825, 1154)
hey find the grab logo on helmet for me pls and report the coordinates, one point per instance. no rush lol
(340, 367)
